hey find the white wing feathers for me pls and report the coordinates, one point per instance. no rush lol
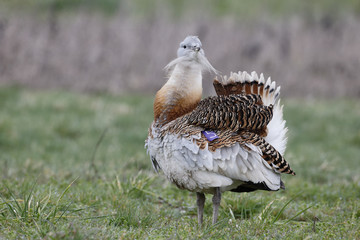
(201, 169)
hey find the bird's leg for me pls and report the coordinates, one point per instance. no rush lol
(216, 203)
(200, 200)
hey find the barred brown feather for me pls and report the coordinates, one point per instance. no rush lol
(228, 89)
(234, 112)
(270, 154)
(238, 88)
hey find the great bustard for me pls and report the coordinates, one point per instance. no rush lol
(230, 142)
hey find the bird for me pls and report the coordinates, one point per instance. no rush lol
(234, 141)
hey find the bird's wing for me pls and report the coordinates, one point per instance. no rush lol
(227, 139)
(270, 154)
(233, 112)
(241, 113)
(228, 162)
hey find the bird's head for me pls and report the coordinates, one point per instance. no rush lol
(190, 52)
(190, 47)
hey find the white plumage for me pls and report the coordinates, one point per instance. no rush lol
(198, 169)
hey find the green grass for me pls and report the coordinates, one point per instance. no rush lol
(73, 166)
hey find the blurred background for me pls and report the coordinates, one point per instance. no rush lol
(311, 48)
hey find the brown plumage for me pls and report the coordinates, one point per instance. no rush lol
(233, 112)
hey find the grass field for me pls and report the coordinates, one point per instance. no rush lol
(73, 166)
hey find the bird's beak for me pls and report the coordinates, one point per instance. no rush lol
(196, 49)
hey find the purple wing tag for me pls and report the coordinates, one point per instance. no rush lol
(210, 135)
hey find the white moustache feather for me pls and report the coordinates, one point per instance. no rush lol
(200, 58)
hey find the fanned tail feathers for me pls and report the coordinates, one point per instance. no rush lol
(245, 83)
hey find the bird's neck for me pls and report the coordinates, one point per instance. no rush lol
(180, 94)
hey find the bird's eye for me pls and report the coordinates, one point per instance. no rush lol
(184, 46)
